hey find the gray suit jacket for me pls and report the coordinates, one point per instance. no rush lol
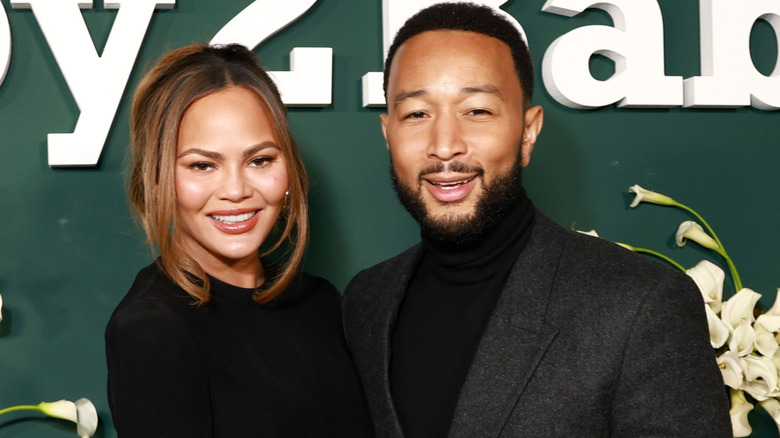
(587, 340)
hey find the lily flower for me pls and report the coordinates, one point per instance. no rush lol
(690, 230)
(731, 369)
(760, 377)
(775, 309)
(709, 278)
(82, 412)
(740, 408)
(86, 418)
(772, 406)
(766, 326)
(739, 308)
(589, 233)
(644, 195)
(743, 339)
(719, 333)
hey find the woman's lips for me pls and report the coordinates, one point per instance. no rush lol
(450, 189)
(235, 223)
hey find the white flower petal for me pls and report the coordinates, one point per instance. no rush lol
(589, 233)
(1, 307)
(690, 230)
(60, 409)
(772, 406)
(87, 418)
(643, 195)
(730, 369)
(760, 376)
(740, 408)
(775, 310)
(709, 278)
(739, 308)
(719, 333)
(743, 340)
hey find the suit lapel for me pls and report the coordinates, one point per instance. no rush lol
(398, 273)
(515, 338)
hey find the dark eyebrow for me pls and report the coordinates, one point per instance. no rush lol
(257, 148)
(402, 96)
(487, 89)
(216, 156)
(476, 89)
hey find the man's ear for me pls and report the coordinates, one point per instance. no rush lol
(534, 119)
(383, 120)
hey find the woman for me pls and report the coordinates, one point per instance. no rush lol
(212, 340)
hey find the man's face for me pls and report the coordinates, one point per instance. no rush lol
(456, 127)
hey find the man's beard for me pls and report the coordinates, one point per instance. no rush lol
(493, 205)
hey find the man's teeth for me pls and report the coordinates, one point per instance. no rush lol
(453, 184)
(233, 219)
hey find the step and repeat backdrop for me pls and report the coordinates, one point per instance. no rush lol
(678, 97)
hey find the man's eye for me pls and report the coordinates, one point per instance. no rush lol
(479, 112)
(415, 115)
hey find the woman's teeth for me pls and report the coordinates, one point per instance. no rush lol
(233, 219)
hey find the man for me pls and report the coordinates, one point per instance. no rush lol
(501, 323)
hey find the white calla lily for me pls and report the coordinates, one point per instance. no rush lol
(766, 327)
(740, 408)
(589, 233)
(731, 369)
(644, 195)
(719, 333)
(739, 308)
(709, 278)
(690, 230)
(86, 418)
(63, 409)
(82, 412)
(743, 339)
(772, 406)
(760, 376)
(775, 309)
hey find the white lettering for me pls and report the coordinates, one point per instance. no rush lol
(310, 79)
(5, 44)
(96, 82)
(728, 76)
(635, 45)
(394, 15)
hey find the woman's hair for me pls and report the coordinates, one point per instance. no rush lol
(180, 78)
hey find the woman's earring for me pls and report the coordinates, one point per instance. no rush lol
(284, 213)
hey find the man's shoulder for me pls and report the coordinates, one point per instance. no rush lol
(390, 268)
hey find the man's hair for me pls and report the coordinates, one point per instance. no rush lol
(180, 78)
(469, 17)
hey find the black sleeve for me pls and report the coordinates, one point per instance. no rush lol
(157, 379)
(670, 384)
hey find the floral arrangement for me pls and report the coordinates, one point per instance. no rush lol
(82, 411)
(746, 346)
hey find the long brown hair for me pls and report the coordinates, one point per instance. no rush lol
(176, 81)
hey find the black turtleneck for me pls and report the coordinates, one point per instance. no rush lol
(442, 317)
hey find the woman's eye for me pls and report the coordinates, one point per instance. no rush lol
(261, 161)
(200, 166)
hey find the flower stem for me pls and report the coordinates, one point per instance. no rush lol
(20, 408)
(721, 250)
(659, 255)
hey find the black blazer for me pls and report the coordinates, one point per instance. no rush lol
(587, 339)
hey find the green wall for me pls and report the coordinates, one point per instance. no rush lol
(69, 248)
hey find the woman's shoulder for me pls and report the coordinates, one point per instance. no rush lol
(153, 305)
(309, 289)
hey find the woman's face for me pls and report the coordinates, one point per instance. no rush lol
(230, 178)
